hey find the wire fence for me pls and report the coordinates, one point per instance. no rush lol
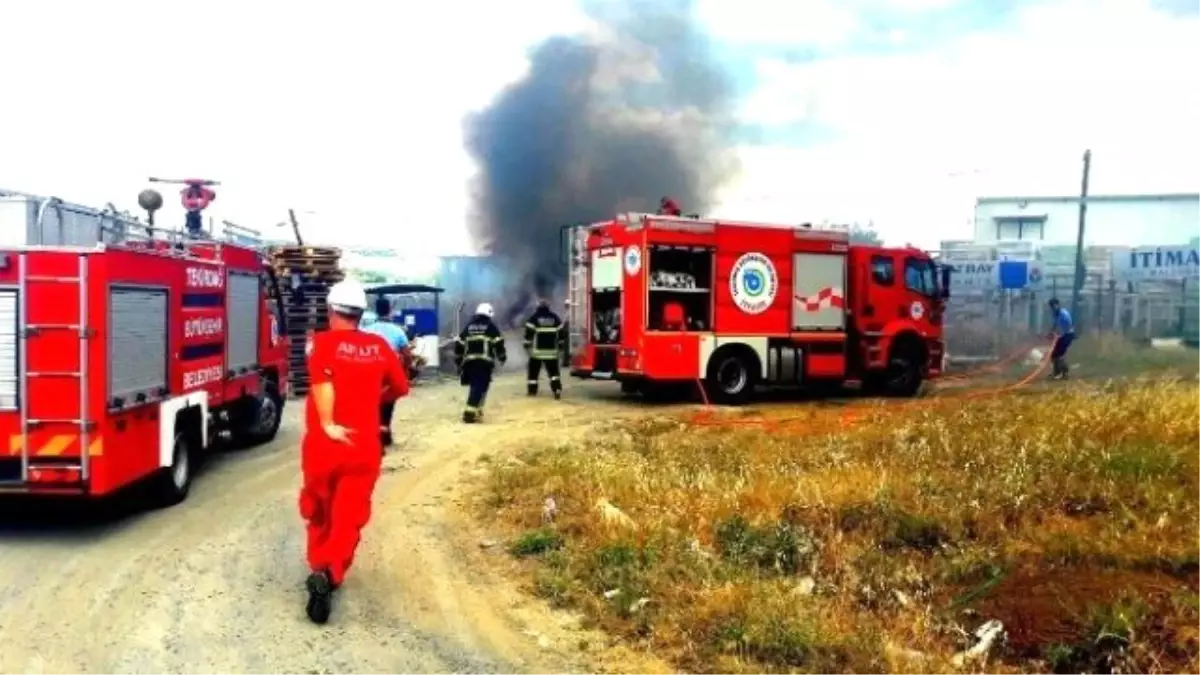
(985, 325)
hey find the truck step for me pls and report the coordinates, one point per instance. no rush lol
(64, 280)
(75, 466)
(87, 425)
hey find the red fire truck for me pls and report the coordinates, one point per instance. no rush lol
(665, 299)
(126, 351)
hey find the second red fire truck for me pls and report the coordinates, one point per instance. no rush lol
(659, 299)
(126, 351)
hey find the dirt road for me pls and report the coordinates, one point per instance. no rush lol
(215, 584)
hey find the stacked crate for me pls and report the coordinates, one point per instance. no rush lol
(305, 274)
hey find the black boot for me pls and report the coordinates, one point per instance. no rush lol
(320, 597)
(469, 416)
(557, 394)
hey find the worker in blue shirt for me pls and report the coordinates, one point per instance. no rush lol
(1064, 335)
(380, 323)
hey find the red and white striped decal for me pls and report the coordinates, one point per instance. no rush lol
(824, 299)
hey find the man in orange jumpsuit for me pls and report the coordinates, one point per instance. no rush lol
(351, 373)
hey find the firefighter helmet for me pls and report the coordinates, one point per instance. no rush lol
(486, 309)
(348, 294)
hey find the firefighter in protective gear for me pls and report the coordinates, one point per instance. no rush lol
(543, 333)
(477, 349)
(351, 372)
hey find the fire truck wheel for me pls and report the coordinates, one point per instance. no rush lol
(903, 378)
(731, 377)
(264, 418)
(176, 480)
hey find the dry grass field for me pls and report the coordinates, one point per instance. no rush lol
(885, 536)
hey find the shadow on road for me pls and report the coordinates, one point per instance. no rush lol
(29, 518)
(666, 398)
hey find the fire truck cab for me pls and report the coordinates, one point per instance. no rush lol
(125, 351)
(668, 299)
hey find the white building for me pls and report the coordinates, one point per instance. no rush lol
(1112, 220)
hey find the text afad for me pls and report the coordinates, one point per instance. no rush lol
(362, 353)
(205, 277)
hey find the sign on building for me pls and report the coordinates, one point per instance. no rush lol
(1016, 275)
(972, 276)
(991, 276)
(1157, 263)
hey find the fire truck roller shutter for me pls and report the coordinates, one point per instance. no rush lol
(721, 357)
(241, 336)
(818, 291)
(8, 349)
(137, 345)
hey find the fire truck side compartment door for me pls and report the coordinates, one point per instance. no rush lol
(241, 338)
(8, 349)
(137, 342)
(607, 271)
(818, 291)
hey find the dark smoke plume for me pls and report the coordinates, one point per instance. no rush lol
(601, 124)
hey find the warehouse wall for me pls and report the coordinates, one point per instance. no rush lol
(1111, 220)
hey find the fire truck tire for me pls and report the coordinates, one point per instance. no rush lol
(732, 376)
(174, 482)
(262, 422)
(630, 387)
(902, 378)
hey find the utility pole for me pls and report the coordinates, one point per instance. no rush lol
(296, 226)
(1079, 269)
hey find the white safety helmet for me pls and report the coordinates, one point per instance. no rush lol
(486, 309)
(349, 295)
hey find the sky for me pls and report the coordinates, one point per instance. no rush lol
(894, 112)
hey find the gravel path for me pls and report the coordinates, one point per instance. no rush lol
(215, 584)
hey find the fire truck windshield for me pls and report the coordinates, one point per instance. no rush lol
(920, 276)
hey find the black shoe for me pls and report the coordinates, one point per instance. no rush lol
(558, 396)
(532, 392)
(320, 597)
(469, 417)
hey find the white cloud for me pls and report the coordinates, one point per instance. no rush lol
(918, 136)
(353, 112)
(356, 113)
(820, 23)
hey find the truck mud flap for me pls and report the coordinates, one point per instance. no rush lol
(10, 471)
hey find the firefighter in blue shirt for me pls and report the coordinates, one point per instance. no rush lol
(1064, 335)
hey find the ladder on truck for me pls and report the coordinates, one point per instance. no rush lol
(577, 287)
(54, 335)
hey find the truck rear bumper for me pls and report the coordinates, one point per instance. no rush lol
(40, 479)
(40, 489)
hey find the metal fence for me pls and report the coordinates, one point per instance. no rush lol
(986, 325)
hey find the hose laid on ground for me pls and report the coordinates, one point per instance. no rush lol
(995, 366)
(707, 417)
